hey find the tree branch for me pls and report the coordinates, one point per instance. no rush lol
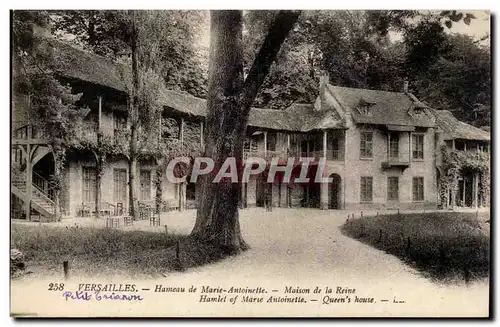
(276, 36)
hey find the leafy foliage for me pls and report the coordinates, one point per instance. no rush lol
(448, 71)
(168, 35)
(456, 162)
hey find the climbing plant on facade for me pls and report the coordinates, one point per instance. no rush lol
(455, 162)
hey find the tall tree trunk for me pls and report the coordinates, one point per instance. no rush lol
(228, 103)
(134, 115)
(59, 154)
(132, 182)
(158, 184)
(98, 175)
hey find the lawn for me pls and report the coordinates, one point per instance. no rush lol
(444, 246)
(104, 252)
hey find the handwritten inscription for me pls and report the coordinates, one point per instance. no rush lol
(99, 296)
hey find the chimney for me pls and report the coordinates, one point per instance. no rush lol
(324, 79)
(405, 86)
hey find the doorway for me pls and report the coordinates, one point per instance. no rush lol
(334, 192)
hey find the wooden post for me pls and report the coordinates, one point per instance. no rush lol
(29, 176)
(463, 193)
(181, 130)
(408, 247)
(453, 198)
(99, 114)
(476, 188)
(178, 256)
(466, 274)
(166, 229)
(66, 269)
(325, 139)
(410, 140)
(265, 144)
(287, 142)
(202, 141)
(453, 144)
(388, 145)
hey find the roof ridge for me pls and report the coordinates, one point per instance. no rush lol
(363, 89)
(66, 43)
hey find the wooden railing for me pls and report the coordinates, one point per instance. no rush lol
(22, 132)
(334, 155)
(44, 186)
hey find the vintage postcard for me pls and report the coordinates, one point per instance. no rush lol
(258, 163)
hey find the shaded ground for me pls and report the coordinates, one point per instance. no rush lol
(95, 251)
(446, 246)
(290, 247)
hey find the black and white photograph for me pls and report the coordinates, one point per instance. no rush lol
(250, 163)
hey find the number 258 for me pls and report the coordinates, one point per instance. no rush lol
(56, 286)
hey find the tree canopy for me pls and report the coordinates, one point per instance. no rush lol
(377, 50)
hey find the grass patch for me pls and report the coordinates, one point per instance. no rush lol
(445, 246)
(107, 252)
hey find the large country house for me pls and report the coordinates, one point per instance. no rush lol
(383, 149)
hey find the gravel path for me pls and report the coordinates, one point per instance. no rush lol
(304, 248)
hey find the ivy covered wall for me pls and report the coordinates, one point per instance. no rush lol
(455, 163)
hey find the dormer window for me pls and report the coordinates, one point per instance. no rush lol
(365, 107)
(417, 112)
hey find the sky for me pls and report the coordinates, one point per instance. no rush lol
(478, 28)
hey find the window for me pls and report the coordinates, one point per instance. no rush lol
(366, 189)
(271, 141)
(333, 152)
(145, 179)
(89, 184)
(418, 189)
(393, 188)
(119, 121)
(394, 145)
(120, 185)
(366, 144)
(418, 146)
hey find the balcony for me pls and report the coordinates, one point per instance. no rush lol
(335, 155)
(395, 163)
(332, 155)
(268, 155)
(87, 132)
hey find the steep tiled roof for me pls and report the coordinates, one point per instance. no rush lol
(75, 63)
(382, 107)
(385, 108)
(455, 129)
(297, 117)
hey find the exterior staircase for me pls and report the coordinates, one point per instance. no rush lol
(42, 201)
